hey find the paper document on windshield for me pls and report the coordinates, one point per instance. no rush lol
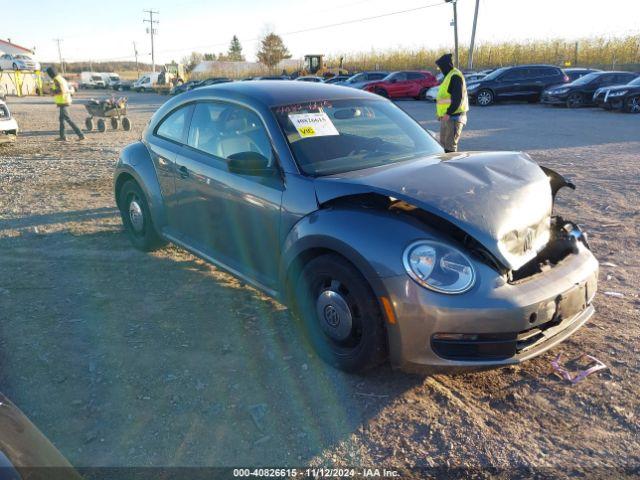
(313, 124)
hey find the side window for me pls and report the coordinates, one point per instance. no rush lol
(173, 127)
(400, 76)
(623, 78)
(512, 75)
(222, 130)
(377, 76)
(415, 76)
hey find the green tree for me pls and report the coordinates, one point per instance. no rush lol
(272, 51)
(235, 50)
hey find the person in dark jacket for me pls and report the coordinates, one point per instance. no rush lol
(62, 99)
(452, 103)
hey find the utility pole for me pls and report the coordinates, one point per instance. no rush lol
(151, 30)
(135, 51)
(473, 36)
(455, 29)
(58, 40)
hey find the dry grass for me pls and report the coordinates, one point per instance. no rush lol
(602, 52)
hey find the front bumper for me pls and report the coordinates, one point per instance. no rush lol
(504, 323)
(549, 99)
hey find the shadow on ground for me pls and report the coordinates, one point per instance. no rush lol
(126, 358)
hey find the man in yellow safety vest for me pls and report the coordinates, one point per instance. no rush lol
(452, 104)
(62, 98)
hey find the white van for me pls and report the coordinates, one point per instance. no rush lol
(110, 78)
(146, 82)
(91, 80)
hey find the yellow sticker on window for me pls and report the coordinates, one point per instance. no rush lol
(313, 124)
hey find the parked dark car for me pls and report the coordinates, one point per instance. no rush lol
(340, 205)
(359, 80)
(620, 97)
(309, 78)
(580, 92)
(337, 79)
(575, 72)
(122, 85)
(183, 87)
(524, 82)
(403, 84)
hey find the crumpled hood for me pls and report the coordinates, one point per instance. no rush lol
(502, 199)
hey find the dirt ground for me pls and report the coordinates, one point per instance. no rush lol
(123, 358)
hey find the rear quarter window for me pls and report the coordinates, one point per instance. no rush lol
(174, 126)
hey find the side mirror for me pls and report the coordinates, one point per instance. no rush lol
(250, 163)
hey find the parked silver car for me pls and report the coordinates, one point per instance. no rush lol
(340, 205)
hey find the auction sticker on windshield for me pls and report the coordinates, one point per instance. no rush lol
(313, 124)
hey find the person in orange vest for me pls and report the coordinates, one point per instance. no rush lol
(452, 104)
(62, 99)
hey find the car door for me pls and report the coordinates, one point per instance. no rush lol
(509, 85)
(397, 85)
(163, 145)
(232, 218)
(414, 84)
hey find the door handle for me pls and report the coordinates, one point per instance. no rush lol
(183, 171)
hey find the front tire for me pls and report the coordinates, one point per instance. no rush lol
(382, 92)
(340, 314)
(484, 98)
(136, 218)
(632, 105)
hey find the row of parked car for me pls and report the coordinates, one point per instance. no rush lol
(570, 87)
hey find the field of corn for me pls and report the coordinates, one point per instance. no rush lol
(599, 52)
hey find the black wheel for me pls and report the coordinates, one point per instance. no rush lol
(114, 123)
(575, 100)
(340, 314)
(422, 95)
(88, 123)
(382, 92)
(484, 97)
(15, 67)
(126, 124)
(102, 126)
(632, 104)
(136, 217)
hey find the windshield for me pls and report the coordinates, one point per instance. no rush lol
(495, 74)
(359, 77)
(23, 57)
(330, 137)
(586, 79)
(635, 81)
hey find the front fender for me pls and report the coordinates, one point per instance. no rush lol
(373, 240)
(135, 161)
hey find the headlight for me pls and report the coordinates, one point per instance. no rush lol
(559, 91)
(618, 93)
(438, 267)
(472, 87)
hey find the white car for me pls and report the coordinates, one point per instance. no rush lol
(431, 94)
(8, 124)
(19, 61)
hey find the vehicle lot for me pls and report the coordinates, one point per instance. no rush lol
(123, 358)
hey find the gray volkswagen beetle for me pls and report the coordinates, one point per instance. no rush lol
(337, 203)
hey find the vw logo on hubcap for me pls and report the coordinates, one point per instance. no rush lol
(331, 315)
(334, 315)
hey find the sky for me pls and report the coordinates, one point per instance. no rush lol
(106, 30)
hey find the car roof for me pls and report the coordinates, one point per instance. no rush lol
(272, 93)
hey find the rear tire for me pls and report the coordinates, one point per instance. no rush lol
(422, 95)
(340, 314)
(114, 123)
(126, 124)
(575, 100)
(632, 104)
(102, 126)
(88, 123)
(136, 218)
(484, 98)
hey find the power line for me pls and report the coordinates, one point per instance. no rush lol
(294, 32)
(58, 40)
